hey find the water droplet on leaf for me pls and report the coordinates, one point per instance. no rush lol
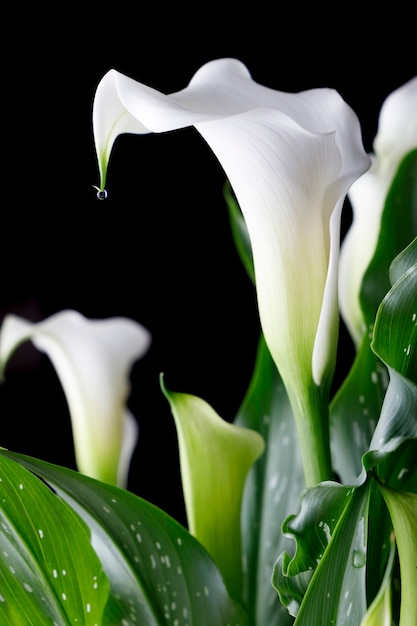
(359, 558)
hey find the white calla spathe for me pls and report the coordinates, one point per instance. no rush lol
(396, 137)
(93, 359)
(290, 159)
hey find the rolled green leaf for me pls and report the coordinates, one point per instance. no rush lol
(215, 458)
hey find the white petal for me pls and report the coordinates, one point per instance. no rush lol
(288, 183)
(290, 159)
(219, 89)
(397, 125)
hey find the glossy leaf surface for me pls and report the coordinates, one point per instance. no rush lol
(158, 574)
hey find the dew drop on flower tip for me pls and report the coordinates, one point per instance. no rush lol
(101, 193)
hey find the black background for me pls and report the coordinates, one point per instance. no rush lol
(159, 248)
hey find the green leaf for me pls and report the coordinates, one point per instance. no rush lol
(158, 573)
(394, 341)
(326, 577)
(239, 231)
(403, 262)
(355, 411)
(395, 333)
(356, 407)
(272, 490)
(398, 228)
(380, 611)
(403, 510)
(49, 572)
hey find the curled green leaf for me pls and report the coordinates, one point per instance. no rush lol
(215, 458)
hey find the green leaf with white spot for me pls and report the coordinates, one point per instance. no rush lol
(49, 572)
(158, 573)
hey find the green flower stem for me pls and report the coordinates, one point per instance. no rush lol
(311, 413)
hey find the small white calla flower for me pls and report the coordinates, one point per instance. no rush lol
(93, 359)
(290, 159)
(396, 137)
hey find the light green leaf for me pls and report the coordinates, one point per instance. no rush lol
(49, 572)
(380, 611)
(272, 490)
(403, 511)
(215, 458)
(158, 573)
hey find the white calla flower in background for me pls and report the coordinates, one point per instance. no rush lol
(290, 159)
(395, 138)
(93, 359)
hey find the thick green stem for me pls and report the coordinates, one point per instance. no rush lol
(311, 412)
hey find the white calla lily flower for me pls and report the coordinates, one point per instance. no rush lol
(396, 137)
(290, 159)
(92, 359)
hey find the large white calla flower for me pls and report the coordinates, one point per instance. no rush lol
(92, 359)
(396, 137)
(290, 159)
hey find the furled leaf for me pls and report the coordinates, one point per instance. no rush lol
(326, 577)
(158, 573)
(215, 458)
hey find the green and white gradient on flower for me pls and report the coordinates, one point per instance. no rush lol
(93, 359)
(395, 138)
(215, 459)
(290, 159)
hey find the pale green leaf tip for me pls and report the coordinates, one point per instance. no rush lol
(162, 385)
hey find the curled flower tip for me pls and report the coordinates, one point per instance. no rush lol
(101, 193)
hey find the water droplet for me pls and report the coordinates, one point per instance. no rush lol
(358, 558)
(101, 193)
